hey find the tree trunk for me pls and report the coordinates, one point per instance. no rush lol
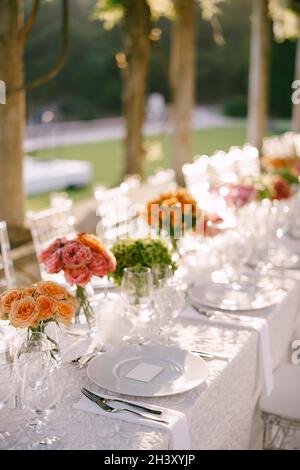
(137, 24)
(296, 107)
(258, 74)
(12, 114)
(182, 78)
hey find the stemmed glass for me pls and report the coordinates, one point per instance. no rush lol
(161, 272)
(37, 375)
(6, 390)
(169, 301)
(136, 293)
(238, 250)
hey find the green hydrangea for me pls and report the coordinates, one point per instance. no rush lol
(142, 252)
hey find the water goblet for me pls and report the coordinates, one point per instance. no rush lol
(136, 293)
(37, 374)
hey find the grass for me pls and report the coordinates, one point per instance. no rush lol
(106, 158)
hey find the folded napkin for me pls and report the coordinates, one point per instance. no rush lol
(177, 422)
(249, 323)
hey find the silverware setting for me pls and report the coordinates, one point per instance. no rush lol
(103, 404)
(219, 315)
(84, 359)
(210, 356)
(108, 401)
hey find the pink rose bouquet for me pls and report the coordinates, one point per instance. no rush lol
(238, 195)
(80, 259)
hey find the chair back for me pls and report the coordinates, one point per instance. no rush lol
(7, 273)
(46, 226)
(116, 212)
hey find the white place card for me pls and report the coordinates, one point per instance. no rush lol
(144, 372)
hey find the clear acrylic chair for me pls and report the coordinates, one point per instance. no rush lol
(196, 176)
(118, 216)
(163, 181)
(46, 226)
(7, 273)
(281, 410)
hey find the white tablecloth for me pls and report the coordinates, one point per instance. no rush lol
(222, 413)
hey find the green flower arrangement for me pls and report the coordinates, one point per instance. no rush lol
(143, 252)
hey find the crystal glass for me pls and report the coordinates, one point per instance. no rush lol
(161, 272)
(169, 303)
(279, 256)
(136, 293)
(238, 248)
(37, 374)
(294, 224)
(6, 391)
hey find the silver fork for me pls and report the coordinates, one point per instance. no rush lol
(107, 401)
(110, 409)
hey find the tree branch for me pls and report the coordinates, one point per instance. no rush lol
(61, 59)
(31, 20)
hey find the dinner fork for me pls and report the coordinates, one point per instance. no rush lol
(110, 409)
(107, 401)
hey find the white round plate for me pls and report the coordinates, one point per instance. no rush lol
(181, 372)
(224, 298)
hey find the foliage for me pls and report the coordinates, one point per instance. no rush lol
(289, 176)
(111, 12)
(142, 252)
(235, 106)
(89, 86)
(286, 18)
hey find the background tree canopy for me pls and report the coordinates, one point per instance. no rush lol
(89, 85)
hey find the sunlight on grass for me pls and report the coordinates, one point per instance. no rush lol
(106, 158)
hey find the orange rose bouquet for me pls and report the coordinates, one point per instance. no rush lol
(177, 213)
(174, 214)
(79, 259)
(34, 307)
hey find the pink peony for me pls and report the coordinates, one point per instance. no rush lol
(79, 277)
(54, 263)
(102, 265)
(76, 256)
(56, 245)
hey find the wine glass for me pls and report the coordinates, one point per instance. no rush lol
(6, 391)
(39, 383)
(136, 293)
(169, 303)
(238, 247)
(161, 272)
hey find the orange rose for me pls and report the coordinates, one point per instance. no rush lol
(8, 298)
(47, 307)
(30, 291)
(91, 241)
(66, 310)
(52, 289)
(24, 313)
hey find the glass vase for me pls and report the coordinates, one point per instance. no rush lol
(84, 309)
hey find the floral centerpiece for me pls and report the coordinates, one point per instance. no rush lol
(177, 213)
(273, 187)
(142, 252)
(238, 194)
(79, 259)
(34, 307)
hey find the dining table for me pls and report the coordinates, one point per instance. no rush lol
(221, 413)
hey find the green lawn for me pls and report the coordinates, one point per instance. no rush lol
(106, 158)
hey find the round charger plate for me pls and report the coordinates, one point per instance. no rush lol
(181, 370)
(224, 298)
